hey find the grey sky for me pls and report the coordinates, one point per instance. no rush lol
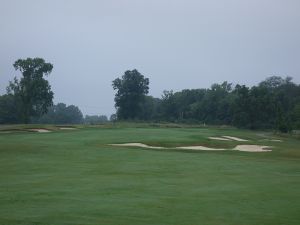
(177, 44)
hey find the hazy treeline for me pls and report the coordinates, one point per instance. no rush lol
(60, 114)
(29, 99)
(63, 114)
(57, 114)
(272, 104)
(95, 119)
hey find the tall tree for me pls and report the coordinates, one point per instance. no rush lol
(32, 91)
(131, 91)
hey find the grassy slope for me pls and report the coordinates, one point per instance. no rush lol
(73, 177)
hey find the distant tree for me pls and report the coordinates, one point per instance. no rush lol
(150, 109)
(113, 117)
(131, 91)
(296, 116)
(275, 81)
(242, 107)
(8, 109)
(95, 119)
(168, 106)
(61, 114)
(74, 114)
(32, 92)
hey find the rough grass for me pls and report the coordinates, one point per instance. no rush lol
(74, 177)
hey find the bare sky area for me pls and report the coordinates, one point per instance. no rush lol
(177, 44)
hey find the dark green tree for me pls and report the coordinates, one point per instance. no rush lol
(61, 114)
(8, 109)
(150, 109)
(32, 91)
(131, 91)
(95, 119)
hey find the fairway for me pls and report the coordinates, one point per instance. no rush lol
(76, 177)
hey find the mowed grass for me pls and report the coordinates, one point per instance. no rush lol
(74, 177)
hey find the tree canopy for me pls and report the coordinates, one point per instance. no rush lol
(32, 92)
(131, 91)
(61, 114)
(273, 104)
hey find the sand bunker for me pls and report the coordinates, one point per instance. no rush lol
(137, 145)
(201, 148)
(234, 138)
(219, 138)
(40, 130)
(252, 148)
(243, 148)
(67, 128)
(274, 140)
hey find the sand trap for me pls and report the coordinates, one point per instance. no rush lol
(40, 130)
(219, 138)
(201, 148)
(137, 145)
(252, 148)
(273, 140)
(234, 138)
(67, 128)
(243, 148)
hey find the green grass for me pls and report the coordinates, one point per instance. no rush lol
(74, 177)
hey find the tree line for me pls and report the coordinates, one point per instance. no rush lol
(272, 104)
(30, 99)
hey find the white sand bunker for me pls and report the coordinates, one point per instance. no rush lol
(67, 128)
(219, 138)
(274, 140)
(40, 130)
(243, 148)
(137, 145)
(252, 148)
(199, 147)
(234, 138)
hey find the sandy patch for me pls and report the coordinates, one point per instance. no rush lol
(67, 128)
(273, 140)
(137, 145)
(219, 138)
(252, 148)
(243, 148)
(276, 140)
(199, 147)
(40, 130)
(234, 138)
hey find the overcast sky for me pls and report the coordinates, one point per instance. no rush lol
(177, 44)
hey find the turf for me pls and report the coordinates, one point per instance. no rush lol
(74, 177)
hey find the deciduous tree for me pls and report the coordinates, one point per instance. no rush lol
(131, 91)
(32, 91)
